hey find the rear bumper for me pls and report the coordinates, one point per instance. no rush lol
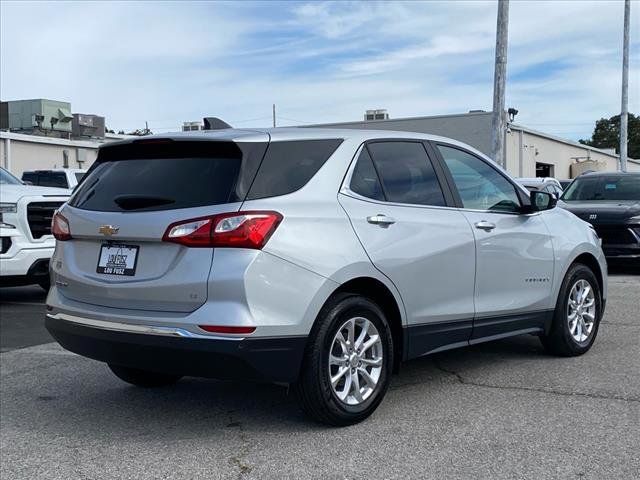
(257, 359)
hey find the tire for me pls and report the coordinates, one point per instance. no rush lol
(562, 338)
(318, 398)
(143, 378)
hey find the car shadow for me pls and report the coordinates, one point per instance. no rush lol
(623, 268)
(92, 402)
(26, 294)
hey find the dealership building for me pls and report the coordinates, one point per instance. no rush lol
(528, 152)
(41, 134)
(44, 134)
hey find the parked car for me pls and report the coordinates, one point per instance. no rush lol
(547, 184)
(316, 258)
(57, 177)
(25, 230)
(610, 201)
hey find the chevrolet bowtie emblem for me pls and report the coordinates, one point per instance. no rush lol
(108, 230)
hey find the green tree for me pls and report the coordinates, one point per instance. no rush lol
(606, 134)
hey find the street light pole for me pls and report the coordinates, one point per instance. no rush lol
(624, 111)
(499, 80)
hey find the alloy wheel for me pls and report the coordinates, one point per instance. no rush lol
(355, 361)
(581, 310)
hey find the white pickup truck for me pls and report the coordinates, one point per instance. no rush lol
(25, 230)
(57, 177)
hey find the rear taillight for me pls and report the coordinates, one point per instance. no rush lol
(60, 227)
(239, 229)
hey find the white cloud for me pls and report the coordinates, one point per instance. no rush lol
(319, 62)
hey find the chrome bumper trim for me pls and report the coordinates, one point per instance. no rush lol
(131, 328)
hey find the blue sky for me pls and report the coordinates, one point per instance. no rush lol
(166, 62)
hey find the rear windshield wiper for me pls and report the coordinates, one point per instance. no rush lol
(137, 202)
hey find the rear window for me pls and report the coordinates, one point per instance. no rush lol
(288, 166)
(46, 179)
(166, 175)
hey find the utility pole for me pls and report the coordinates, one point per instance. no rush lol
(274, 115)
(499, 80)
(624, 111)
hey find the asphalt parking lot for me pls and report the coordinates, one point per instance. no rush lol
(498, 410)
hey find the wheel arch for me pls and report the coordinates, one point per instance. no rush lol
(379, 293)
(590, 261)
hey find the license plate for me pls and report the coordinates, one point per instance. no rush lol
(118, 259)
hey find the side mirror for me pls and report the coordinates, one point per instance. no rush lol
(542, 201)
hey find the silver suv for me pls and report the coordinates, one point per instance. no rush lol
(312, 257)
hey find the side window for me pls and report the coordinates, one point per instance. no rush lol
(406, 173)
(480, 186)
(289, 165)
(364, 180)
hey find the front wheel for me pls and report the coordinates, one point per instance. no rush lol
(577, 315)
(143, 378)
(348, 362)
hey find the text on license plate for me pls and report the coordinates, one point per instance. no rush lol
(116, 259)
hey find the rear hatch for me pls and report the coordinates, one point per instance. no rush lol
(123, 207)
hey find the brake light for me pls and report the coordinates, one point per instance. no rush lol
(60, 227)
(250, 229)
(226, 329)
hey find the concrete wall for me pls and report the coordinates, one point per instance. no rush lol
(542, 149)
(471, 128)
(18, 155)
(524, 147)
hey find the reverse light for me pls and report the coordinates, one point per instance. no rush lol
(227, 329)
(250, 229)
(60, 227)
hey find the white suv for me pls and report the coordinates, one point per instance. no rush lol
(25, 230)
(317, 258)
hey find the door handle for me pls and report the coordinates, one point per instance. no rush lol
(381, 219)
(484, 225)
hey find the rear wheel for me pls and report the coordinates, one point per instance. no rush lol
(348, 362)
(143, 378)
(577, 315)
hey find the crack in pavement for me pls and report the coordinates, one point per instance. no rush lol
(239, 459)
(621, 324)
(465, 381)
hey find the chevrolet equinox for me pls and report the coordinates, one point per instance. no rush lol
(315, 258)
